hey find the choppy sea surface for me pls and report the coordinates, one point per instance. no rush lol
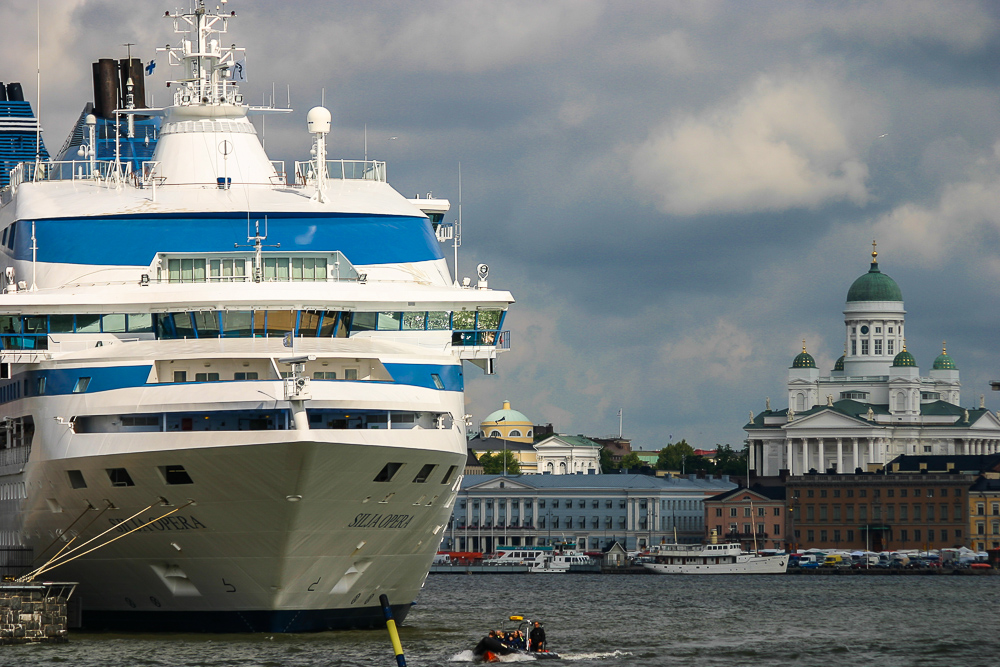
(620, 621)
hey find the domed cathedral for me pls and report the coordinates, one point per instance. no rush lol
(873, 405)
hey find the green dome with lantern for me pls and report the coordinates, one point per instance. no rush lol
(804, 359)
(943, 361)
(904, 358)
(874, 285)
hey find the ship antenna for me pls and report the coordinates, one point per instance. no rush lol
(38, 84)
(457, 237)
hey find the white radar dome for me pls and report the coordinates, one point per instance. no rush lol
(318, 120)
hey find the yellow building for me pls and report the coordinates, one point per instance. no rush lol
(507, 424)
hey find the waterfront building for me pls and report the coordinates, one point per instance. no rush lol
(585, 511)
(984, 514)
(881, 511)
(874, 405)
(568, 455)
(755, 517)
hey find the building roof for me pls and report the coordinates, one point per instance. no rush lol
(985, 484)
(839, 365)
(859, 410)
(768, 492)
(610, 481)
(874, 286)
(571, 440)
(967, 464)
(506, 415)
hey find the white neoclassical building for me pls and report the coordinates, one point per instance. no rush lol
(568, 455)
(874, 405)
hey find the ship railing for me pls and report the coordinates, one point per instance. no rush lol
(24, 356)
(280, 177)
(480, 338)
(69, 170)
(365, 170)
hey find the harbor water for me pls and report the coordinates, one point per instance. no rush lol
(620, 621)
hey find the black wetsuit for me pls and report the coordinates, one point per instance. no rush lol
(491, 644)
(537, 638)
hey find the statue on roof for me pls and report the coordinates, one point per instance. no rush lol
(965, 416)
(829, 400)
(871, 414)
(751, 416)
(767, 403)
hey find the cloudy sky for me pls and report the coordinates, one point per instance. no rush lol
(677, 193)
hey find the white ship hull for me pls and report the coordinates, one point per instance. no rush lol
(743, 564)
(244, 557)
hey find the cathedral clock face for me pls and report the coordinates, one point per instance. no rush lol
(864, 330)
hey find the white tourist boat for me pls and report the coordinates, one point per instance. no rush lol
(711, 559)
(245, 388)
(544, 560)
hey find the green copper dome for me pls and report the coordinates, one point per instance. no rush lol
(904, 358)
(944, 362)
(839, 366)
(874, 286)
(804, 359)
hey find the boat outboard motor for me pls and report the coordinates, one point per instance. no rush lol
(14, 92)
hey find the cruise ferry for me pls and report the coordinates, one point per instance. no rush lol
(231, 394)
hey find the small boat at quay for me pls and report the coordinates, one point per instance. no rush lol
(539, 559)
(711, 559)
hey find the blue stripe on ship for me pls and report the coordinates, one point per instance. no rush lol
(291, 620)
(106, 378)
(133, 240)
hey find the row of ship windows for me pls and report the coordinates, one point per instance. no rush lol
(275, 269)
(29, 332)
(390, 470)
(120, 476)
(250, 420)
(175, 474)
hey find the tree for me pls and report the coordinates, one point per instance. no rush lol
(672, 456)
(630, 461)
(493, 463)
(730, 462)
(607, 461)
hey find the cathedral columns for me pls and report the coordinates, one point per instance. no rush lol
(857, 458)
(805, 455)
(840, 455)
(788, 456)
(822, 456)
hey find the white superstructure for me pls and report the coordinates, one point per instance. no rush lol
(252, 380)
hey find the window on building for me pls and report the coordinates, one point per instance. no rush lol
(849, 512)
(916, 513)
(822, 512)
(902, 493)
(903, 512)
(836, 537)
(746, 511)
(811, 536)
(850, 536)
(809, 493)
(850, 493)
(916, 535)
(777, 511)
(836, 512)
(810, 512)
(878, 346)
(777, 529)
(732, 511)
(761, 511)
(718, 511)
(864, 347)
(903, 535)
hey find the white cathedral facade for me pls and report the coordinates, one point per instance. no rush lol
(874, 405)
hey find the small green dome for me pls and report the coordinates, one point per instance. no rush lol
(804, 359)
(944, 362)
(839, 366)
(874, 286)
(904, 358)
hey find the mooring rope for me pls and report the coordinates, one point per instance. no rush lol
(142, 525)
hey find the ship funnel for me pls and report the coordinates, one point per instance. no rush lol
(714, 539)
